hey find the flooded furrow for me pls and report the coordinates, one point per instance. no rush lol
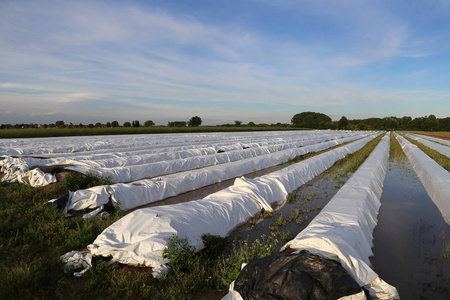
(287, 221)
(412, 240)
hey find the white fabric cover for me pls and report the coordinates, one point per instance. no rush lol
(79, 145)
(434, 139)
(141, 236)
(445, 150)
(343, 230)
(36, 178)
(434, 177)
(18, 170)
(131, 195)
(92, 153)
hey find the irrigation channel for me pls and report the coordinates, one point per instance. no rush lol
(411, 241)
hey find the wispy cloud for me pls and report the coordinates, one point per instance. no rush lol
(73, 55)
(52, 113)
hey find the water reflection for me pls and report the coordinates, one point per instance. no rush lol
(410, 238)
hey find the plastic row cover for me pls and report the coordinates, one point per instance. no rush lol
(434, 139)
(16, 170)
(121, 159)
(140, 237)
(434, 177)
(16, 167)
(435, 146)
(142, 192)
(101, 144)
(147, 170)
(343, 230)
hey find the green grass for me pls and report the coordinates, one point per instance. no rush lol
(56, 132)
(75, 181)
(33, 235)
(350, 163)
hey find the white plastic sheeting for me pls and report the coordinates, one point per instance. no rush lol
(139, 167)
(131, 195)
(141, 236)
(138, 150)
(434, 139)
(433, 145)
(103, 144)
(434, 177)
(18, 170)
(343, 230)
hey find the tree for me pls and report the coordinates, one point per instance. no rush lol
(251, 124)
(59, 123)
(91, 125)
(343, 122)
(135, 123)
(195, 121)
(311, 120)
(98, 124)
(177, 124)
(108, 124)
(432, 122)
(149, 123)
(127, 124)
(237, 123)
(114, 124)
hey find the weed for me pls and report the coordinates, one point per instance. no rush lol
(267, 214)
(75, 181)
(291, 197)
(281, 222)
(181, 254)
(286, 236)
(445, 246)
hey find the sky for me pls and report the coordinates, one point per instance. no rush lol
(248, 60)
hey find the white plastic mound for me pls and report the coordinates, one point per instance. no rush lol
(343, 230)
(434, 177)
(18, 170)
(433, 145)
(141, 236)
(142, 192)
(119, 151)
(179, 163)
(434, 139)
(103, 144)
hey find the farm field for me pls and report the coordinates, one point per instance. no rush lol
(418, 263)
(442, 135)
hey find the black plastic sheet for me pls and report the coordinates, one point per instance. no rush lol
(295, 276)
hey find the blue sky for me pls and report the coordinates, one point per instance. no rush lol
(260, 61)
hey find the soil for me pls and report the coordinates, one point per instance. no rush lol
(444, 135)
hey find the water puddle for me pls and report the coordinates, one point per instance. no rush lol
(287, 221)
(411, 238)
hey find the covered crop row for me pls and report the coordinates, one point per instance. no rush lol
(143, 158)
(343, 230)
(436, 145)
(434, 177)
(141, 236)
(104, 144)
(131, 195)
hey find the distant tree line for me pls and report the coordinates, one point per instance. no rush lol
(309, 120)
(314, 120)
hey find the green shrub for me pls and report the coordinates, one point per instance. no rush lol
(76, 181)
(181, 254)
